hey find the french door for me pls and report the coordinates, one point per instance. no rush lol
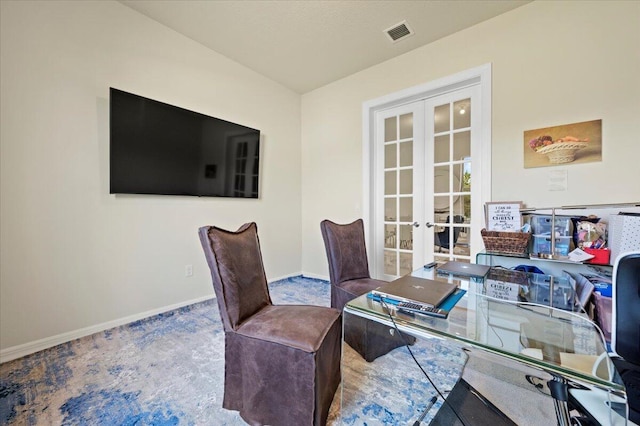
(400, 179)
(426, 207)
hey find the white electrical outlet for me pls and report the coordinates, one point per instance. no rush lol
(188, 271)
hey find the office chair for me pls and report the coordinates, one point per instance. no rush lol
(441, 239)
(625, 330)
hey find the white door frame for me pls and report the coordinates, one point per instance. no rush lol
(476, 76)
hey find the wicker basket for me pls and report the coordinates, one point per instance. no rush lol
(562, 152)
(513, 243)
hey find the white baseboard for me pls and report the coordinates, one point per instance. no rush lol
(25, 349)
(300, 274)
(19, 351)
(284, 277)
(317, 277)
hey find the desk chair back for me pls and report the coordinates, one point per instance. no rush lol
(346, 250)
(442, 239)
(625, 337)
(625, 331)
(237, 272)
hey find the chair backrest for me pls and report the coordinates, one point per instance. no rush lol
(346, 250)
(237, 272)
(625, 330)
(442, 238)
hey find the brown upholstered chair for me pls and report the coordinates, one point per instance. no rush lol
(282, 362)
(350, 278)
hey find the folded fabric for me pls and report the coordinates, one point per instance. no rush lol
(529, 268)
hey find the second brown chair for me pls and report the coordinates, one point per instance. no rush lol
(350, 278)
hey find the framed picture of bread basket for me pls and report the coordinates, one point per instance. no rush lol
(567, 144)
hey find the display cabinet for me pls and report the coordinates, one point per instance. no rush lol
(552, 238)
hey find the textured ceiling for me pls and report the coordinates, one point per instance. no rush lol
(307, 44)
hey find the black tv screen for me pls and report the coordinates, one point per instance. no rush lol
(156, 148)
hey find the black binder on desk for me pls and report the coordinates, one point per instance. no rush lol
(411, 289)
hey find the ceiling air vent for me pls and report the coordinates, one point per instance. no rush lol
(399, 31)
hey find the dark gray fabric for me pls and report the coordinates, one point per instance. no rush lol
(349, 274)
(346, 250)
(282, 363)
(242, 282)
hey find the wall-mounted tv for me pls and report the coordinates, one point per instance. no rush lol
(156, 148)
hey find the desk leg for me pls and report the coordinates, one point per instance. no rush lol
(560, 393)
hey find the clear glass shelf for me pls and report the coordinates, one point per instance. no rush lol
(487, 254)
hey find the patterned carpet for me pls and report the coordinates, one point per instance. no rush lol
(168, 370)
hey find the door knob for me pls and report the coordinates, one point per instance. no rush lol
(415, 224)
(430, 225)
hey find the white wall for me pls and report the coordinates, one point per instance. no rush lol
(74, 257)
(553, 63)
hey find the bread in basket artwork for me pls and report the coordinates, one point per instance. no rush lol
(566, 144)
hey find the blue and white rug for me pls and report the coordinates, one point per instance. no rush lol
(169, 370)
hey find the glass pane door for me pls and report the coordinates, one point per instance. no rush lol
(400, 225)
(451, 129)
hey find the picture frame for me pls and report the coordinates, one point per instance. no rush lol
(566, 144)
(503, 216)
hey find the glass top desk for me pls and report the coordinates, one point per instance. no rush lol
(529, 363)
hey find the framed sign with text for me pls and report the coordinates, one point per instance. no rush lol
(504, 216)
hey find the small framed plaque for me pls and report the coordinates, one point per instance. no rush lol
(504, 216)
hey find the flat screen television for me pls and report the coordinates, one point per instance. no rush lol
(156, 148)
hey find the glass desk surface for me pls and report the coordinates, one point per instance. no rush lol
(556, 340)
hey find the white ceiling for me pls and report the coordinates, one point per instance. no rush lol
(309, 43)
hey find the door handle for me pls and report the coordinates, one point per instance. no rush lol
(415, 224)
(430, 225)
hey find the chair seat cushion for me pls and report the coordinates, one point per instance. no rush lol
(299, 326)
(360, 286)
(346, 291)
